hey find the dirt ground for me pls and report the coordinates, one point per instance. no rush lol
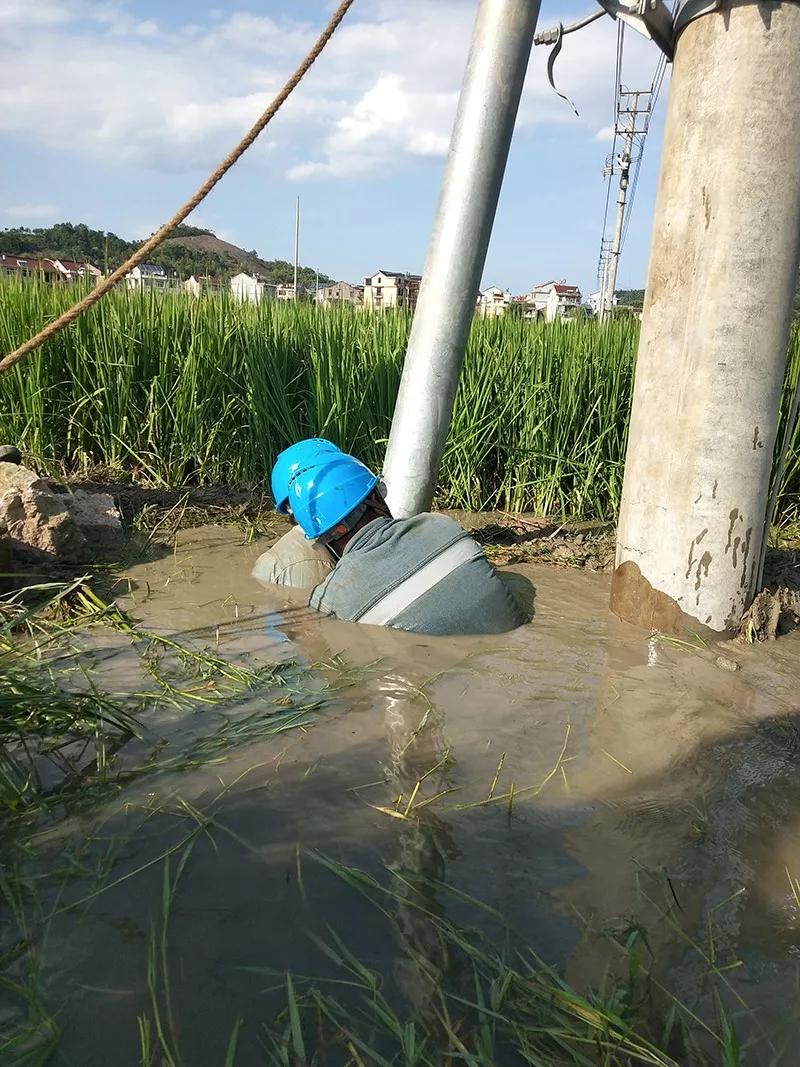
(159, 514)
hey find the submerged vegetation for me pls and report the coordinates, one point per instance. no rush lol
(445, 981)
(172, 391)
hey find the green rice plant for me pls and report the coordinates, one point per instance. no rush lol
(166, 389)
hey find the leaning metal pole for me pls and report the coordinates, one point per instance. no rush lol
(712, 351)
(487, 108)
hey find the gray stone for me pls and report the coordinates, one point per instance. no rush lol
(97, 518)
(10, 454)
(68, 528)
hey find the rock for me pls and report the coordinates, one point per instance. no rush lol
(772, 612)
(15, 478)
(67, 528)
(97, 518)
(10, 454)
(725, 663)
(6, 562)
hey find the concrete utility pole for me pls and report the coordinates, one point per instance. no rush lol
(487, 109)
(712, 353)
(296, 243)
(624, 172)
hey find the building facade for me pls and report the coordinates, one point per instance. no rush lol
(201, 283)
(51, 270)
(595, 299)
(285, 291)
(250, 289)
(493, 302)
(72, 271)
(391, 289)
(340, 293)
(554, 300)
(147, 276)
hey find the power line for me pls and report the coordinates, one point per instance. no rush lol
(633, 110)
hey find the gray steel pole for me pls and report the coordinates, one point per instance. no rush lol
(712, 353)
(613, 262)
(487, 109)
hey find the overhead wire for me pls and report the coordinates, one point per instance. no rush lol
(77, 309)
(655, 92)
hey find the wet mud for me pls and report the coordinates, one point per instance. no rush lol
(577, 775)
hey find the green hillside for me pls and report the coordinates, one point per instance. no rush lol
(190, 251)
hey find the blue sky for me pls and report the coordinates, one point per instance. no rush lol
(114, 110)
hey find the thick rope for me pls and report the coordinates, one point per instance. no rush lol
(107, 284)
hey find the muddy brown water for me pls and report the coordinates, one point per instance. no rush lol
(643, 771)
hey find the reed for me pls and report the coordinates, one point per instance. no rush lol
(166, 389)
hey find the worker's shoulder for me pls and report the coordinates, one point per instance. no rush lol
(432, 520)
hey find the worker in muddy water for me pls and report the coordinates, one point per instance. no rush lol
(424, 574)
(294, 560)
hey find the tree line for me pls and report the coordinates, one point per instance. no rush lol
(77, 241)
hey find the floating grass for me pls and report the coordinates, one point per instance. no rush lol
(60, 719)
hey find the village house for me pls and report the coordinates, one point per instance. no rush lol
(391, 289)
(250, 289)
(71, 270)
(493, 302)
(27, 266)
(51, 270)
(553, 300)
(594, 302)
(147, 276)
(201, 283)
(284, 291)
(340, 293)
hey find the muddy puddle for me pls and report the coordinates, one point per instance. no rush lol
(576, 776)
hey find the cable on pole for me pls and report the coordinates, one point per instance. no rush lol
(107, 284)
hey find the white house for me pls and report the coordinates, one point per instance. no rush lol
(249, 288)
(340, 293)
(147, 276)
(391, 289)
(594, 302)
(201, 283)
(493, 302)
(552, 300)
(72, 270)
(285, 291)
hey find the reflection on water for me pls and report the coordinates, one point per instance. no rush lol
(571, 775)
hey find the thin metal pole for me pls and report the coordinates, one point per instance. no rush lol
(487, 108)
(712, 351)
(296, 243)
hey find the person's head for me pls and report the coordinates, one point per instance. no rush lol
(298, 455)
(333, 496)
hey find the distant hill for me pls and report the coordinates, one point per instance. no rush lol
(191, 251)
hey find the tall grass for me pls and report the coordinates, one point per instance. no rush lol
(160, 385)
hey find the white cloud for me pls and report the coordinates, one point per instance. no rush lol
(30, 211)
(128, 91)
(605, 133)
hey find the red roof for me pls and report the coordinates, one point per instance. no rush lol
(28, 263)
(563, 290)
(76, 268)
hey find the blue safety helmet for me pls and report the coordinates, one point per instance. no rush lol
(290, 461)
(325, 492)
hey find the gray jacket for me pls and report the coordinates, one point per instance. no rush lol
(424, 574)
